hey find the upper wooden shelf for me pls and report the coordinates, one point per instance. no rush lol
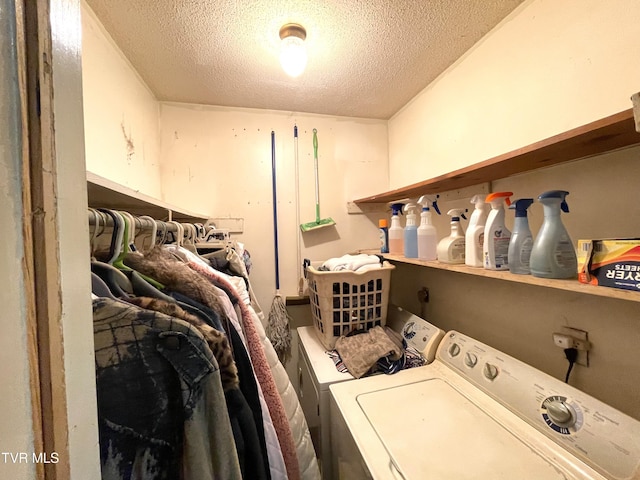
(105, 193)
(607, 134)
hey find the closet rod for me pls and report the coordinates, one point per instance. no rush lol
(141, 223)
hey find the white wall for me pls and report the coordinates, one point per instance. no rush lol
(121, 115)
(218, 160)
(548, 67)
(16, 426)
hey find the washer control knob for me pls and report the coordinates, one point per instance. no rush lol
(561, 413)
(454, 350)
(490, 371)
(470, 359)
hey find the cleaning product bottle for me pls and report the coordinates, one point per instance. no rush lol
(411, 231)
(427, 234)
(495, 245)
(451, 249)
(553, 254)
(475, 233)
(396, 232)
(521, 238)
(384, 235)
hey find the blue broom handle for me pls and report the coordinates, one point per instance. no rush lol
(275, 206)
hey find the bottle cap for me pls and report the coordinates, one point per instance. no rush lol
(382, 223)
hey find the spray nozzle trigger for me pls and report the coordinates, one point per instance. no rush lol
(430, 201)
(396, 208)
(457, 212)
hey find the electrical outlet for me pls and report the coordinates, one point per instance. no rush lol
(423, 295)
(579, 341)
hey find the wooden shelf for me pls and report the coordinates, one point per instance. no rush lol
(607, 134)
(568, 285)
(105, 193)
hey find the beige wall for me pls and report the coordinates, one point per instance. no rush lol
(548, 67)
(121, 114)
(218, 160)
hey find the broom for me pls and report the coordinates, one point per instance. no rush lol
(277, 330)
(319, 222)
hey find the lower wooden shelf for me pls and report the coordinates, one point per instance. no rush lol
(568, 285)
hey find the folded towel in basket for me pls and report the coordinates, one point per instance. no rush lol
(361, 352)
(351, 262)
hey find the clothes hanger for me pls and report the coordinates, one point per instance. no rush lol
(116, 234)
(124, 246)
(147, 240)
(94, 233)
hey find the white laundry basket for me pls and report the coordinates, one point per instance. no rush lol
(344, 301)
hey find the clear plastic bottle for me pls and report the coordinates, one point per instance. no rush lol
(427, 234)
(396, 232)
(411, 231)
(521, 239)
(553, 254)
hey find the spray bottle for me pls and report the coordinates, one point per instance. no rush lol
(553, 254)
(411, 231)
(451, 249)
(396, 232)
(521, 238)
(383, 231)
(427, 234)
(475, 233)
(495, 246)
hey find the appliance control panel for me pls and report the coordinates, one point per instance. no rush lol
(602, 436)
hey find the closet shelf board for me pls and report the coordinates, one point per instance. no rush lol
(105, 193)
(604, 135)
(568, 285)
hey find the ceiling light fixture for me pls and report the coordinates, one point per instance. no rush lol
(293, 54)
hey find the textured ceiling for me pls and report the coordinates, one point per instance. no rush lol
(366, 58)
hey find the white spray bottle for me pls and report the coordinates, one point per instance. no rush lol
(553, 254)
(411, 231)
(396, 232)
(495, 247)
(474, 237)
(427, 234)
(451, 249)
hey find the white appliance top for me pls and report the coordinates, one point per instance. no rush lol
(477, 413)
(418, 333)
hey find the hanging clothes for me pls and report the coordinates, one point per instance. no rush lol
(164, 267)
(161, 405)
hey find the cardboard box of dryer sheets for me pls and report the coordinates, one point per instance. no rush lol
(610, 263)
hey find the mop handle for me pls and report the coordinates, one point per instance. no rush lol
(275, 206)
(315, 168)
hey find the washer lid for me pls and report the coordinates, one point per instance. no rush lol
(428, 427)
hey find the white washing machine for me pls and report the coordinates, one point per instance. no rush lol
(316, 372)
(476, 413)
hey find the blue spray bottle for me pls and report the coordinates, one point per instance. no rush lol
(521, 239)
(553, 254)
